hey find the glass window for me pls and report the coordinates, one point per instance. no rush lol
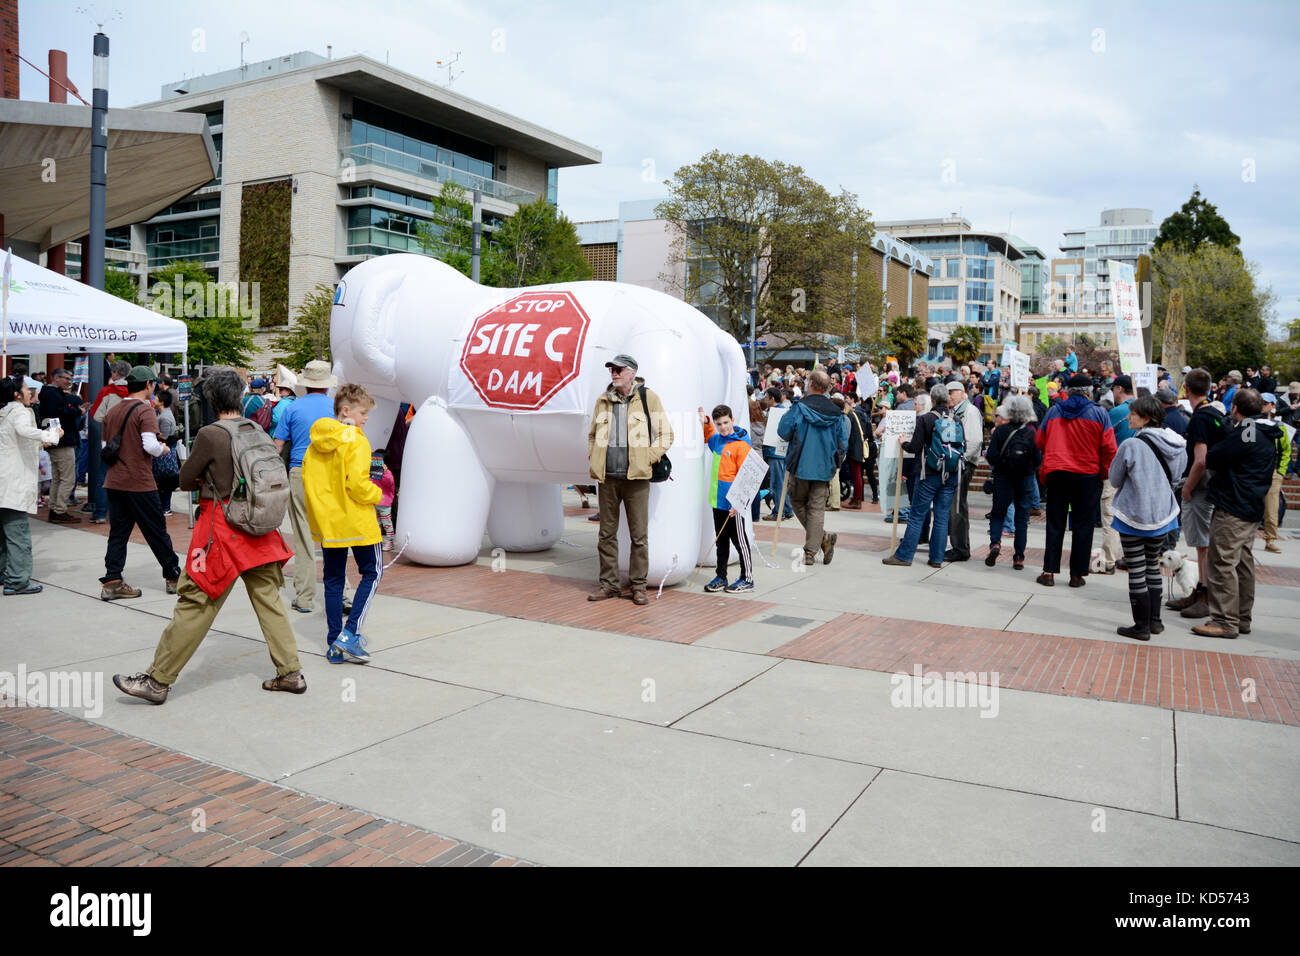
(954, 268)
(975, 314)
(552, 185)
(943, 293)
(943, 315)
(978, 291)
(977, 268)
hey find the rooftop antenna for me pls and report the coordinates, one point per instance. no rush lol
(451, 74)
(243, 41)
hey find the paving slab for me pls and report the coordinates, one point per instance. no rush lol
(580, 789)
(56, 629)
(1239, 773)
(218, 711)
(1116, 754)
(908, 820)
(651, 681)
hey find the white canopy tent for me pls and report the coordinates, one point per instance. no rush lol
(48, 312)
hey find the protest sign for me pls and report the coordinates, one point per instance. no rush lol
(746, 483)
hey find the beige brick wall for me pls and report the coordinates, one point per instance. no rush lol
(523, 171)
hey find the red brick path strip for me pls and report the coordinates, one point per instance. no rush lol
(682, 617)
(1204, 682)
(73, 793)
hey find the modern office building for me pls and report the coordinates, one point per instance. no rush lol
(324, 163)
(1033, 330)
(977, 279)
(1035, 277)
(1067, 286)
(637, 248)
(1124, 235)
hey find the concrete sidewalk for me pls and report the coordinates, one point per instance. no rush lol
(504, 711)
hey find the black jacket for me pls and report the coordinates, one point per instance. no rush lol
(1243, 463)
(56, 403)
(999, 440)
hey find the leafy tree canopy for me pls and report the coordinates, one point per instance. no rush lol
(1196, 224)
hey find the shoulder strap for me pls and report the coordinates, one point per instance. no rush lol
(649, 421)
(126, 418)
(1150, 443)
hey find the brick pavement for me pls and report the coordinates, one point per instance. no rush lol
(1205, 682)
(73, 793)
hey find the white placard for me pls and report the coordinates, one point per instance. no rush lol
(1019, 362)
(868, 384)
(1128, 317)
(839, 355)
(746, 483)
(1145, 377)
(900, 423)
(1007, 349)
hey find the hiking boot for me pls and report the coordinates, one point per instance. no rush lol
(1214, 630)
(809, 557)
(142, 686)
(992, 559)
(170, 584)
(62, 517)
(894, 562)
(116, 590)
(1200, 607)
(717, 584)
(1177, 604)
(603, 594)
(828, 547)
(640, 598)
(292, 682)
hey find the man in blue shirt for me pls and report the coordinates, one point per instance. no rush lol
(1112, 551)
(294, 430)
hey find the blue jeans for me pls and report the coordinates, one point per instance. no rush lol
(776, 471)
(1010, 494)
(935, 489)
(370, 563)
(82, 463)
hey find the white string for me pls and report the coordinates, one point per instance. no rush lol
(671, 568)
(405, 542)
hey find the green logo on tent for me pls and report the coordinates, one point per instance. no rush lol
(16, 286)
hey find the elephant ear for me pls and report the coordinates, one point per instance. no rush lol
(374, 349)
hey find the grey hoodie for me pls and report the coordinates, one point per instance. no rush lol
(1144, 499)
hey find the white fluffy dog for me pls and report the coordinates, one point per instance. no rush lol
(1181, 573)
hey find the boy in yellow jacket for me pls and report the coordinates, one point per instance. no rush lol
(341, 501)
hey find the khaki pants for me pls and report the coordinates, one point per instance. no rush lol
(1111, 548)
(1232, 570)
(63, 477)
(304, 548)
(195, 612)
(1271, 501)
(635, 499)
(808, 499)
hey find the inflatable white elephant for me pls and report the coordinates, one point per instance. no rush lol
(505, 382)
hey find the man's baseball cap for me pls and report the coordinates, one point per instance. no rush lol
(1269, 398)
(622, 361)
(1167, 397)
(257, 383)
(140, 374)
(1123, 381)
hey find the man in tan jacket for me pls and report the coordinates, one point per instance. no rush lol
(621, 455)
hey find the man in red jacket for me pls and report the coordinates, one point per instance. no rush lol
(1077, 443)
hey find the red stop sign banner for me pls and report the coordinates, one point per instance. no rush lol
(522, 352)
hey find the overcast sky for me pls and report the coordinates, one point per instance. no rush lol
(1040, 113)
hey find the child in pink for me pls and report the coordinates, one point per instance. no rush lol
(382, 477)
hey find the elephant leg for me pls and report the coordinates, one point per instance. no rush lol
(380, 426)
(525, 516)
(446, 491)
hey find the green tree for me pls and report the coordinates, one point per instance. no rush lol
(964, 343)
(538, 245)
(1226, 325)
(308, 338)
(906, 339)
(1284, 355)
(121, 284)
(728, 211)
(210, 310)
(1196, 224)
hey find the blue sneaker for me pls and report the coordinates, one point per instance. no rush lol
(334, 655)
(353, 647)
(740, 584)
(717, 584)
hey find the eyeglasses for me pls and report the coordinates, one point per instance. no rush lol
(616, 369)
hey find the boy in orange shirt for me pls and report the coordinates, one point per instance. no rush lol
(729, 445)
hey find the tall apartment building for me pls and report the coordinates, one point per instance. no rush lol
(330, 162)
(1124, 235)
(1035, 277)
(977, 279)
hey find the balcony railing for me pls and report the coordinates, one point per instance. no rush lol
(376, 155)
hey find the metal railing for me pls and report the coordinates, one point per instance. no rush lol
(376, 155)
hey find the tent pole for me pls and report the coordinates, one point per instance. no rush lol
(185, 370)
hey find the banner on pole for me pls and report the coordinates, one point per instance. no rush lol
(81, 370)
(749, 477)
(1128, 317)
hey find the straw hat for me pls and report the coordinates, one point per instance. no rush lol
(316, 375)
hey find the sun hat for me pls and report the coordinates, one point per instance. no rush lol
(317, 374)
